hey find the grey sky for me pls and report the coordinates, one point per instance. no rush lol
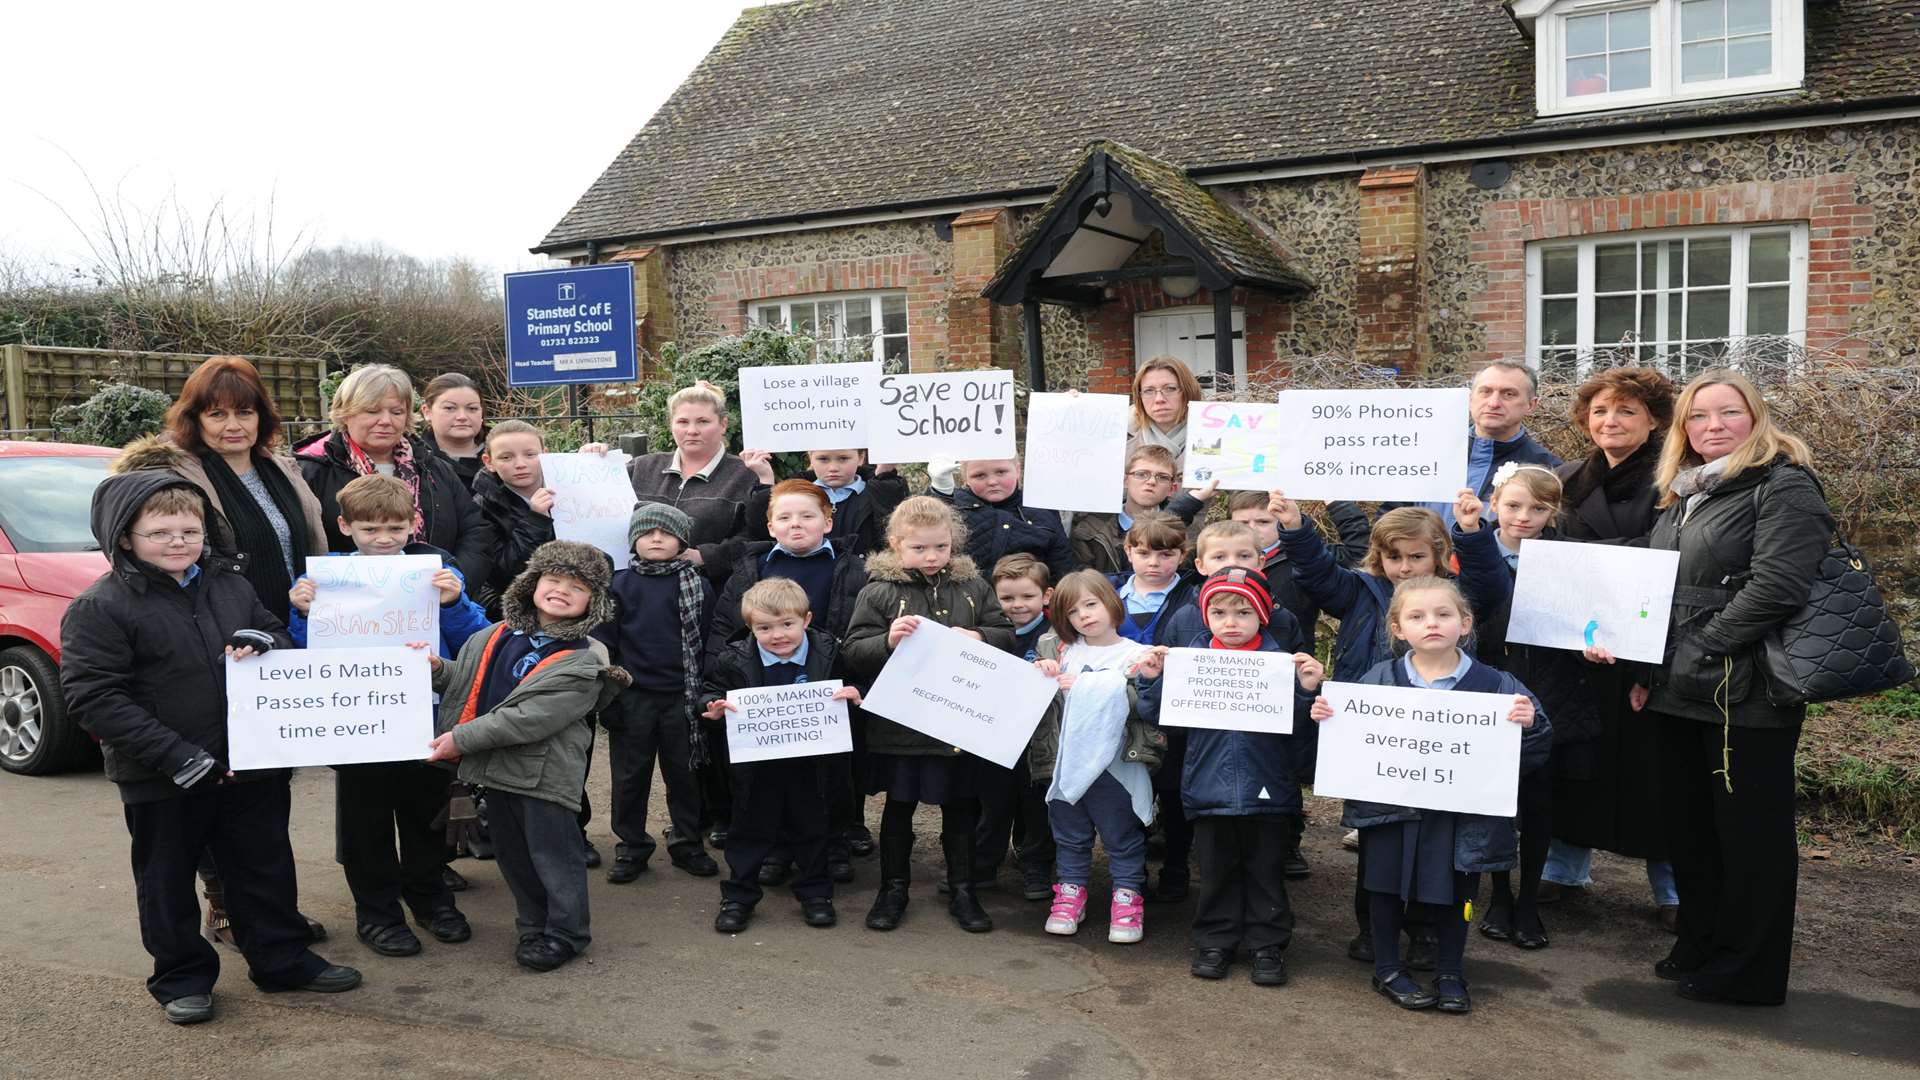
(436, 129)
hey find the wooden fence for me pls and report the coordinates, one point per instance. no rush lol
(36, 380)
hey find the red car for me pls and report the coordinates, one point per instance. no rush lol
(47, 555)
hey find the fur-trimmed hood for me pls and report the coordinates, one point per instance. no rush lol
(156, 452)
(885, 566)
(576, 560)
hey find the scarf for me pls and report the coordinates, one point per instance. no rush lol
(693, 603)
(404, 468)
(1695, 484)
(253, 534)
(1174, 438)
(1620, 482)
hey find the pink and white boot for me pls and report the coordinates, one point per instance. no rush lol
(1127, 918)
(1069, 909)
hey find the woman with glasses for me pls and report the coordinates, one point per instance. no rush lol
(1162, 390)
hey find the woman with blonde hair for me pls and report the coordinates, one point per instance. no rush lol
(1740, 504)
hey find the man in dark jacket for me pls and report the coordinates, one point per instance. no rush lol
(1500, 398)
(143, 670)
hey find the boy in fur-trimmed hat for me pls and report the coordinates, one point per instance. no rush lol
(516, 712)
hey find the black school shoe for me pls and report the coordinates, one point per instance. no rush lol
(452, 880)
(889, 904)
(1400, 989)
(819, 912)
(592, 853)
(543, 953)
(447, 926)
(190, 1009)
(1211, 963)
(1035, 883)
(1361, 947)
(625, 869)
(1295, 867)
(1497, 924)
(698, 863)
(840, 870)
(717, 837)
(859, 841)
(774, 873)
(1452, 993)
(394, 940)
(733, 917)
(333, 979)
(1671, 970)
(1270, 966)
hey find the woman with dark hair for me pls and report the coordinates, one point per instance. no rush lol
(456, 423)
(1606, 761)
(223, 434)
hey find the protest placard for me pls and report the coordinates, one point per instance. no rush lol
(801, 720)
(364, 601)
(967, 415)
(1228, 690)
(1235, 442)
(1396, 445)
(806, 406)
(592, 500)
(1076, 451)
(1433, 749)
(1570, 596)
(963, 692)
(295, 707)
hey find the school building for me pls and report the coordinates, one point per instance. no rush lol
(1422, 184)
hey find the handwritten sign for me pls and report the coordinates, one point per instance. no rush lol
(962, 692)
(1433, 749)
(1570, 596)
(1228, 690)
(775, 722)
(1235, 442)
(966, 415)
(1398, 445)
(592, 500)
(383, 600)
(806, 406)
(1076, 451)
(295, 707)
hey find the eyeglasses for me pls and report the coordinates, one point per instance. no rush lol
(191, 536)
(1159, 391)
(1144, 475)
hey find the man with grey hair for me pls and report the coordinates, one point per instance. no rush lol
(1500, 398)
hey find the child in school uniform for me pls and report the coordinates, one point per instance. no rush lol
(1013, 805)
(511, 496)
(801, 518)
(1432, 859)
(1239, 788)
(781, 808)
(377, 802)
(921, 578)
(1098, 755)
(1527, 499)
(861, 498)
(662, 611)
(516, 712)
(1255, 510)
(1152, 485)
(998, 522)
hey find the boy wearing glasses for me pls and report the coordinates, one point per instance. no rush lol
(142, 667)
(1152, 484)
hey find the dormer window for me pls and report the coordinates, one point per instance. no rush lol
(1592, 55)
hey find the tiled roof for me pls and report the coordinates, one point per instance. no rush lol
(834, 106)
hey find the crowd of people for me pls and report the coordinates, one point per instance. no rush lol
(738, 578)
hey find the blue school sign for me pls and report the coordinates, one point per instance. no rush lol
(571, 325)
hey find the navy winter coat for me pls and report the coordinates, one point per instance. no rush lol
(1358, 599)
(996, 530)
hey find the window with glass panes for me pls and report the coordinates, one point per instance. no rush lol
(1606, 54)
(1725, 39)
(841, 319)
(1609, 52)
(1677, 299)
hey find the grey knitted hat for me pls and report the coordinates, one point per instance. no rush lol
(650, 516)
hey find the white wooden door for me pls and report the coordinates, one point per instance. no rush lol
(1187, 333)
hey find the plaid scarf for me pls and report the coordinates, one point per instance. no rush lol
(403, 468)
(692, 605)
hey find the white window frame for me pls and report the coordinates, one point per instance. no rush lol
(1550, 36)
(1741, 235)
(875, 308)
(1204, 369)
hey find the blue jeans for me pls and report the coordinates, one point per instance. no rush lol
(1106, 808)
(1573, 866)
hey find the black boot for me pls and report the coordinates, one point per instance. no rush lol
(963, 905)
(889, 905)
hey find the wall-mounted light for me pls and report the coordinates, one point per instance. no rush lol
(1180, 286)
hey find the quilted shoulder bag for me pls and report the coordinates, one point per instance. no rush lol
(1842, 642)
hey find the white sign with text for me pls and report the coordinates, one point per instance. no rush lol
(806, 406)
(1228, 690)
(592, 500)
(965, 415)
(295, 707)
(962, 692)
(1076, 451)
(1389, 445)
(1432, 749)
(373, 600)
(773, 722)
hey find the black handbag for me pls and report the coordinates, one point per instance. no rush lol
(1842, 642)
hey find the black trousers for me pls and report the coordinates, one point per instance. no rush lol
(372, 804)
(959, 819)
(537, 845)
(716, 780)
(1243, 885)
(780, 810)
(644, 725)
(1535, 823)
(1009, 798)
(245, 827)
(1736, 861)
(849, 803)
